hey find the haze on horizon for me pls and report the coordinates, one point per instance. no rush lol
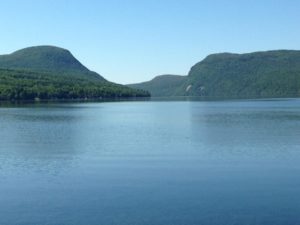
(133, 41)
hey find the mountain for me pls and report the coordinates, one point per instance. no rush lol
(162, 85)
(258, 74)
(47, 72)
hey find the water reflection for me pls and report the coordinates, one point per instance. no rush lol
(257, 128)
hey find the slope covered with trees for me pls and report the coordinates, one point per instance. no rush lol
(24, 85)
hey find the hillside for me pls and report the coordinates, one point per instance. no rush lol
(47, 72)
(259, 74)
(163, 85)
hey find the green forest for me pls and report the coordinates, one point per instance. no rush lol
(27, 85)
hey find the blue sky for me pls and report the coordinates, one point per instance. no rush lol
(129, 41)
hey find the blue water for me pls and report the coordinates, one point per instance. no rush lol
(155, 162)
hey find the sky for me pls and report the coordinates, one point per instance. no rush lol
(129, 41)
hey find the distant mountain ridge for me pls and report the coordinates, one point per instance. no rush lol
(259, 74)
(48, 72)
(162, 85)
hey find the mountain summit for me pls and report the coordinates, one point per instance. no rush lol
(45, 59)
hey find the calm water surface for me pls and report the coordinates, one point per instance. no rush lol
(160, 163)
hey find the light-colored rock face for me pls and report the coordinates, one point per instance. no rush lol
(188, 88)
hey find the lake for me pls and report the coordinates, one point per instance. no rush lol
(151, 162)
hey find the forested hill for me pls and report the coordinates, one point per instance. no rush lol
(47, 72)
(259, 74)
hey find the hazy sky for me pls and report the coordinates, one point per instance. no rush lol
(129, 41)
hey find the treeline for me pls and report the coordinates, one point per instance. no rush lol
(26, 85)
